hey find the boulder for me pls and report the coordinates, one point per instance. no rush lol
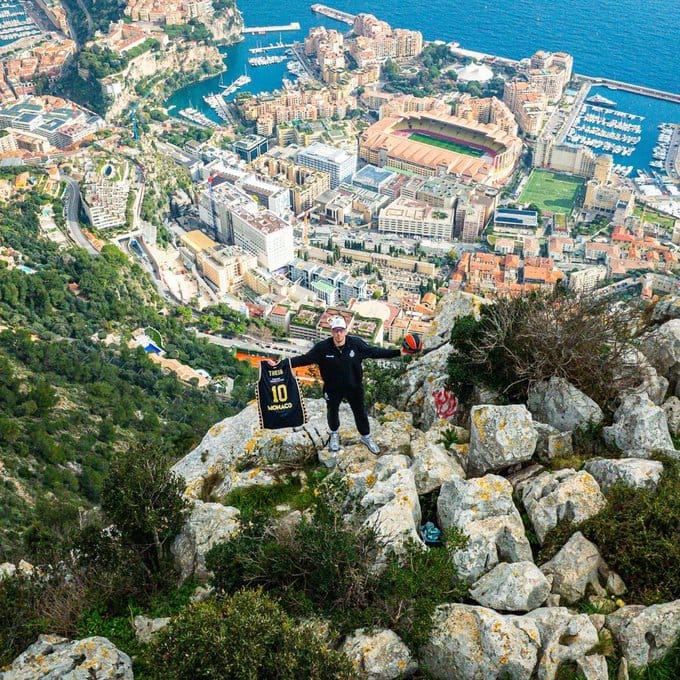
(483, 510)
(420, 379)
(394, 528)
(671, 408)
(645, 634)
(206, 525)
(146, 629)
(562, 496)
(558, 403)
(516, 587)
(500, 436)
(639, 428)
(56, 657)
(450, 308)
(564, 636)
(432, 464)
(637, 473)
(662, 348)
(652, 384)
(379, 655)
(552, 443)
(475, 643)
(579, 567)
(593, 667)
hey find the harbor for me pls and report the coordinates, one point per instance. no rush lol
(15, 24)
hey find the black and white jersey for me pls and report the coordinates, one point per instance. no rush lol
(278, 397)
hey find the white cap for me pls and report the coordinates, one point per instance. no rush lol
(337, 322)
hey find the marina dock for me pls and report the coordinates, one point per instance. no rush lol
(635, 89)
(293, 26)
(336, 14)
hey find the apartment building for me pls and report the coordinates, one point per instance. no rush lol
(225, 266)
(339, 164)
(409, 217)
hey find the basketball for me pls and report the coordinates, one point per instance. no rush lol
(412, 343)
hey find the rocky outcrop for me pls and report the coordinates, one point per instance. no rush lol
(450, 308)
(146, 629)
(637, 473)
(518, 587)
(552, 443)
(639, 428)
(483, 510)
(662, 348)
(563, 496)
(56, 657)
(471, 643)
(379, 655)
(227, 27)
(645, 634)
(671, 408)
(206, 525)
(578, 569)
(500, 436)
(564, 636)
(558, 403)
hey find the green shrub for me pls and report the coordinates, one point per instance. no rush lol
(322, 566)
(243, 637)
(638, 534)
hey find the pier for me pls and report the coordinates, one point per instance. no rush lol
(336, 14)
(275, 46)
(293, 26)
(628, 87)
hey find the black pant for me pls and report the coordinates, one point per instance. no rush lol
(355, 398)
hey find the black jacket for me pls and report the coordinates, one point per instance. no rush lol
(341, 368)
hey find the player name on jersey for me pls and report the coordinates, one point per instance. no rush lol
(278, 397)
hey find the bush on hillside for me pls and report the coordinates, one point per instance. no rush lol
(322, 566)
(521, 340)
(144, 501)
(638, 535)
(243, 637)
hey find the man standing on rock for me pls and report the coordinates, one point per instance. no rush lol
(339, 360)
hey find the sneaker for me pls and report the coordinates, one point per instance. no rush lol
(368, 442)
(334, 442)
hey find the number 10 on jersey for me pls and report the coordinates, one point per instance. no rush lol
(279, 393)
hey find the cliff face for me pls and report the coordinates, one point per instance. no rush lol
(227, 28)
(150, 63)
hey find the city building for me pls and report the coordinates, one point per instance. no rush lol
(225, 266)
(516, 223)
(105, 196)
(250, 147)
(339, 164)
(528, 104)
(409, 217)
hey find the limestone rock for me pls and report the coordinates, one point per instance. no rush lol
(593, 667)
(482, 509)
(637, 473)
(520, 586)
(558, 403)
(652, 384)
(419, 380)
(394, 528)
(56, 657)
(471, 643)
(639, 428)
(206, 525)
(671, 408)
(451, 307)
(379, 655)
(662, 348)
(645, 634)
(432, 463)
(146, 628)
(578, 567)
(552, 443)
(500, 436)
(565, 636)
(561, 496)
(239, 440)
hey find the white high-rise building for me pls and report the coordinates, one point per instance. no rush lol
(338, 163)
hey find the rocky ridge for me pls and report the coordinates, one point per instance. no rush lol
(519, 623)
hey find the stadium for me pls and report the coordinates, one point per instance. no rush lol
(432, 143)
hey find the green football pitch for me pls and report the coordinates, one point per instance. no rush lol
(445, 144)
(552, 192)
